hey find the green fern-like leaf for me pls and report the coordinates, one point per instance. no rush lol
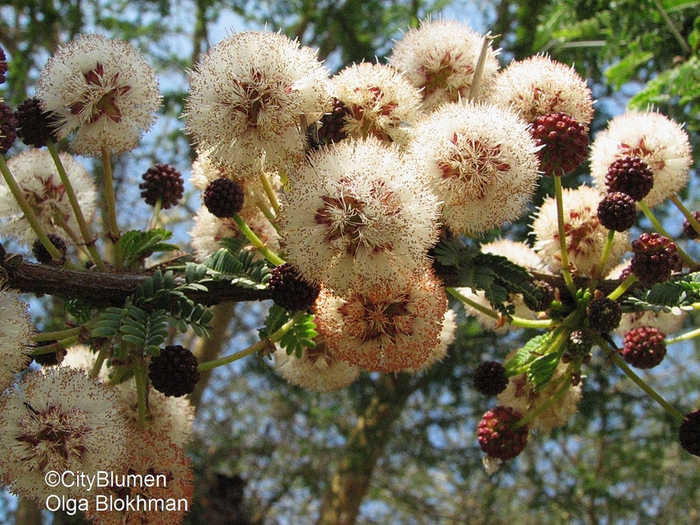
(496, 275)
(188, 314)
(161, 291)
(239, 268)
(680, 292)
(300, 336)
(514, 278)
(145, 330)
(80, 309)
(542, 369)
(455, 253)
(109, 323)
(135, 246)
(276, 317)
(533, 349)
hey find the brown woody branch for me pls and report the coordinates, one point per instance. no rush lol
(114, 288)
(106, 288)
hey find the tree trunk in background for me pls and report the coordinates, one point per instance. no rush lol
(28, 513)
(364, 446)
(207, 349)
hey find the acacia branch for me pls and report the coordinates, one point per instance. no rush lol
(108, 288)
(113, 288)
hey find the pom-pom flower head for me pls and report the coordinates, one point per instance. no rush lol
(440, 58)
(563, 143)
(481, 161)
(384, 330)
(163, 183)
(655, 139)
(539, 86)
(630, 175)
(101, 91)
(151, 454)
(289, 290)
(357, 217)
(37, 176)
(15, 336)
(174, 371)
(8, 125)
(3, 65)
(34, 125)
(498, 436)
(62, 420)
(247, 95)
(318, 369)
(644, 347)
(689, 432)
(585, 236)
(655, 258)
(378, 100)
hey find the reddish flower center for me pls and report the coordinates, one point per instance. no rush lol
(473, 162)
(101, 97)
(643, 152)
(58, 438)
(49, 192)
(437, 78)
(542, 103)
(256, 97)
(581, 233)
(346, 218)
(374, 319)
(368, 112)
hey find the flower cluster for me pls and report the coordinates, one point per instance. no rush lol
(102, 93)
(358, 203)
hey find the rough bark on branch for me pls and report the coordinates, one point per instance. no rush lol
(114, 288)
(107, 288)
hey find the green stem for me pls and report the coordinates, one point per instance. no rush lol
(690, 217)
(563, 248)
(603, 260)
(532, 323)
(256, 242)
(58, 334)
(63, 343)
(561, 390)
(689, 262)
(683, 337)
(253, 349)
(615, 357)
(513, 320)
(88, 238)
(156, 214)
(27, 210)
(59, 221)
(141, 378)
(101, 356)
(112, 224)
(270, 192)
(622, 287)
(269, 214)
(478, 307)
